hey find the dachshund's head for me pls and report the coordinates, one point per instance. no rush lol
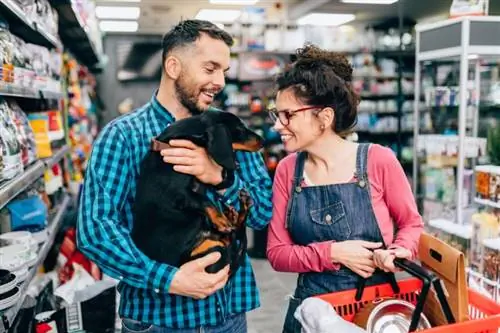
(220, 133)
(226, 132)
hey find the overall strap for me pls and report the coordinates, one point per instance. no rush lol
(297, 179)
(361, 164)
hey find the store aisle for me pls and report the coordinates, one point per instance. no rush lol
(274, 288)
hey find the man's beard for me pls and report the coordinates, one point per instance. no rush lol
(187, 97)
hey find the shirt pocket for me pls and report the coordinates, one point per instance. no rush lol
(330, 222)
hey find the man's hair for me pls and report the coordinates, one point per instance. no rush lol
(188, 31)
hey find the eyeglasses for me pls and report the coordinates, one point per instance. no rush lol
(285, 115)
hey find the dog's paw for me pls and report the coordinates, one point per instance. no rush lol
(245, 198)
(231, 213)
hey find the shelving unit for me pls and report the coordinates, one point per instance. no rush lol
(75, 34)
(12, 91)
(465, 40)
(10, 189)
(23, 27)
(9, 315)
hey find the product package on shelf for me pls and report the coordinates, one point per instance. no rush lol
(28, 66)
(41, 13)
(488, 184)
(48, 131)
(11, 154)
(25, 133)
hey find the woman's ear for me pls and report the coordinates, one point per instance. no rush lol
(173, 67)
(327, 117)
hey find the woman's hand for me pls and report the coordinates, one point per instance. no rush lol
(356, 255)
(384, 259)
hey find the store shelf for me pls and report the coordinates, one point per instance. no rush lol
(492, 243)
(463, 231)
(17, 185)
(58, 156)
(74, 34)
(20, 25)
(12, 91)
(9, 315)
(488, 203)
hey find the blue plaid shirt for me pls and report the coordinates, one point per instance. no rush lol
(105, 221)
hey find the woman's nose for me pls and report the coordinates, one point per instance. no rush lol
(277, 125)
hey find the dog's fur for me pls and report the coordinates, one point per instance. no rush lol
(171, 209)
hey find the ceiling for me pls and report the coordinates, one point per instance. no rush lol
(158, 15)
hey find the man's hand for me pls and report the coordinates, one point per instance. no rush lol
(355, 255)
(193, 160)
(191, 280)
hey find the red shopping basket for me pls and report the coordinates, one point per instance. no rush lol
(484, 313)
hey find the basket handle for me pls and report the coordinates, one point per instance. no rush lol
(428, 278)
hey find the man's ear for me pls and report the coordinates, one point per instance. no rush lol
(173, 67)
(219, 146)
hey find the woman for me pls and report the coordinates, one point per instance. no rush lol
(335, 202)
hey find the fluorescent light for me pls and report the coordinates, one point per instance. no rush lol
(119, 26)
(117, 12)
(371, 2)
(218, 15)
(325, 19)
(234, 2)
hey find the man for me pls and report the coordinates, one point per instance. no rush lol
(155, 295)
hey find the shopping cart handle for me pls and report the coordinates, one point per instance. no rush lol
(414, 269)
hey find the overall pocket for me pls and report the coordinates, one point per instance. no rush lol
(330, 222)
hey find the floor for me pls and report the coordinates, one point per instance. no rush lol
(274, 288)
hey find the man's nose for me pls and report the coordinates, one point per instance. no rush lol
(219, 80)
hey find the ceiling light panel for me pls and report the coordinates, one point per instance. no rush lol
(218, 15)
(234, 2)
(371, 2)
(118, 26)
(117, 12)
(324, 19)
(118, 1)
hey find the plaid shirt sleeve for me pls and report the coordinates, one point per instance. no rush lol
(253, 176)
(102, 233)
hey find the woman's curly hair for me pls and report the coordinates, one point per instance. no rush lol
(324, 78)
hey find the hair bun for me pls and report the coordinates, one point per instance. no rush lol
(312, 56)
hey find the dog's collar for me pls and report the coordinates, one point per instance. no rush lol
(158, 145)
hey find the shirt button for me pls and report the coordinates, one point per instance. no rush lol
(328, 218)
(157, 290)
(120, 277)
(228, 202)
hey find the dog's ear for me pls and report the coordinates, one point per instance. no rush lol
(219, 146)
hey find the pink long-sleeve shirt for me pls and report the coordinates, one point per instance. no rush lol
(392, 201)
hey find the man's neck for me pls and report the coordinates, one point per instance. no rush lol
(167, 98)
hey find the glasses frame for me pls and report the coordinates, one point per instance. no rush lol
(275, 115)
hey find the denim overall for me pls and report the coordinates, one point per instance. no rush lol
(336, 212)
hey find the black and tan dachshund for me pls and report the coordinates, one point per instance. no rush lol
(174, 221)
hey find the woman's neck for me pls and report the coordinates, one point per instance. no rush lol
(329, 151)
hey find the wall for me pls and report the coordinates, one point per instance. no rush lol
(112, 91)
